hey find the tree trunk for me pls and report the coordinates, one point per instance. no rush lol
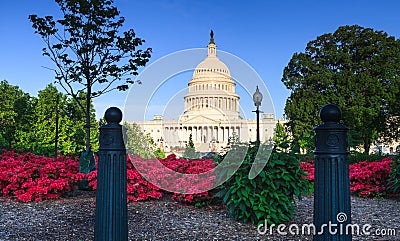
(87, 113)
(367, 145)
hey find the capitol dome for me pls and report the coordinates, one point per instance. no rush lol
(211, 116)
(211, 89)
(211, 67)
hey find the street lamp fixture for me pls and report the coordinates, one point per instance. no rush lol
(257, 98)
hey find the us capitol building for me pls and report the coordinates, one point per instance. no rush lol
(211, 113)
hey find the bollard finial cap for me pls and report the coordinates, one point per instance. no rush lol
(330, 113)
(113, 115)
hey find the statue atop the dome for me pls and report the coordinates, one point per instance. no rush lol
(211, 37)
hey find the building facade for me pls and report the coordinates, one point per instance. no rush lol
(211, 112)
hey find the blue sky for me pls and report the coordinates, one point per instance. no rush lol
(265, 34)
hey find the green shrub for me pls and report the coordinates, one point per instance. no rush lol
(159, 153)
(270, 195)
(394, 179)
(305, 157)
(356, 157)
(190, 151)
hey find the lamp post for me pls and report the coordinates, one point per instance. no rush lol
(56, 137)
(257, 98)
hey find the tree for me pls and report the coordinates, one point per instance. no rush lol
(89, 53)
(137, 142)
(190, 151)
(57, 125)
(356, 68)
(41, 137)
(16, 109)
(159, 153)
(72, 128)
(281, 137)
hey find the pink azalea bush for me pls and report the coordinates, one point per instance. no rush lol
(27, 177)
(308, 167)
(140, 189)
(367, 179)
(370, 179)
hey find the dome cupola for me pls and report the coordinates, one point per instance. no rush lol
(211, 66)
(211, 89)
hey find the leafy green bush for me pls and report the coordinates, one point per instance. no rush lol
(305, 157)
(356, 157)
(159, 153)
(270, 195)
(395, 176)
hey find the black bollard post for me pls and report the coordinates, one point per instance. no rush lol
(111, 221)
(332, 216)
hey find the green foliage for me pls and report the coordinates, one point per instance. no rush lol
(281, 137)
(16, 109)
(306, 141)
(269, 196)
(356, 157)
(158, 153)
(190, 151)
(355, 140)
(356, 68)
(91, 55)
(190, 142)
(303, 141)
(137, 142)
(395, 176)
(50, 107)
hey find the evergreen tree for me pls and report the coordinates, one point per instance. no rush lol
(16, 109)
(41, 137)
(190, 151)
(53, 109)
(137, 142)
(281, 138)
(356, 68)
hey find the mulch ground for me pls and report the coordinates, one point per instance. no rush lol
(72, 218)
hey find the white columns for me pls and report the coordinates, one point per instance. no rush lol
(226, 134)
(220, 137)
